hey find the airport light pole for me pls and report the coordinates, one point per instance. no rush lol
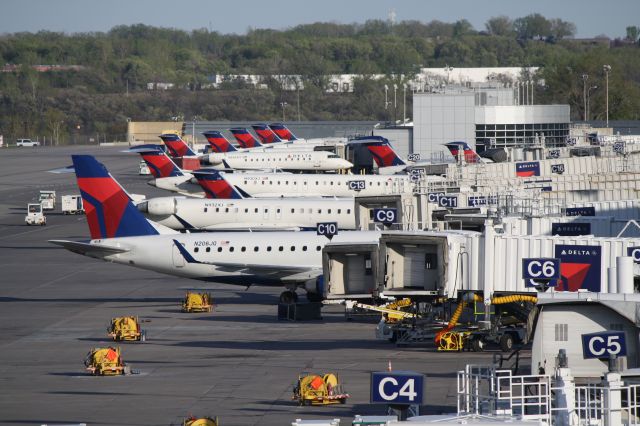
(404, 104)
(585, 77)
(448, 70)
(386, 96)
(283, 105)
(395, 104)
(607, 70)
(589, 98)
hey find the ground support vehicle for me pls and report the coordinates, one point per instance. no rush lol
(71, 204)
(313, 389)
(126, 328)
(105, 362)
(47, 199)
(35, 215)
(197, 302)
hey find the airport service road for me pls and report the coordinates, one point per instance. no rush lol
(238, 362)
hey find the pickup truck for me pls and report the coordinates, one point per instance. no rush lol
(27, 142)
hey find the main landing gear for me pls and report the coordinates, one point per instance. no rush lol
(288, 297)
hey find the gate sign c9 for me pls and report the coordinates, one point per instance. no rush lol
(401, 388)
(541, 269)
(328, 229)
(602, 345)
(386, 216)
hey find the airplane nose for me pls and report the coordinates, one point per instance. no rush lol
(344, 164)
(152, 182)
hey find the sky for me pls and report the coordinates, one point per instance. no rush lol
(591, 17)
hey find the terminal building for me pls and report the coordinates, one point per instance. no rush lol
(484, 116)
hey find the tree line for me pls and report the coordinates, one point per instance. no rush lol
(110, 86)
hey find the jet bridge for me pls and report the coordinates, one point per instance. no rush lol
(350, 270)
(406, 207)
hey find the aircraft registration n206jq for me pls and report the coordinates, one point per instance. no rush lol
(121, 234)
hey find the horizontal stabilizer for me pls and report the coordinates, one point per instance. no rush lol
(92, 250)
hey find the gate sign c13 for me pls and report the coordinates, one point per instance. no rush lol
(604, 344)
(580, 267)
(398, 388)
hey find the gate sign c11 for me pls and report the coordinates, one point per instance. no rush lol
(634, 252)
(386, 216)
(328, 229)
(580, 267)
(602, 345)
(397, 388)
(541, 269)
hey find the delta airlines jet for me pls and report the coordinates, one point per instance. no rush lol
(287, 135)
(121, 234)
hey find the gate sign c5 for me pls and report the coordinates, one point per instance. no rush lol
(602, 345)
(397, 388)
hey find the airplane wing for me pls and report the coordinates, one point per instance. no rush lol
(306, 271)
(92, 250)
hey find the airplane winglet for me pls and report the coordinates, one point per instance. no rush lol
(183, 251)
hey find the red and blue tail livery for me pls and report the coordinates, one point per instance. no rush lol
(383, 153)
(283, 132)
(218, 142)
(215, 186)
(160, 165)
(177, 147)
(244, 138)
(468, 154)
(265, 134)
(110, 212)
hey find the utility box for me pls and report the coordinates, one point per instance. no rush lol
(71, 204)
(350, 270)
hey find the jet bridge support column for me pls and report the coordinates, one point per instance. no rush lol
(489, 235)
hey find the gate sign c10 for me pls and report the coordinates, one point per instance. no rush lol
(602, 345)
(328, 229)
(541, 269)
(397, 388)
(634, 252)
(386, 216)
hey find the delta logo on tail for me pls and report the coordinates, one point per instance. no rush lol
(108, 208)
(215, 186)
(580, 267)
(265, 134)
(282, 131)
(244, 138)
(468, 154)
(384, 155)
(159, 164)
(218, 142)
(177, 147)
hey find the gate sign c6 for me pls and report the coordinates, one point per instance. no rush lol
(541, 269)
(604, 344)
(397, 388)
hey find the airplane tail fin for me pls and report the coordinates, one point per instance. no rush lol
(177, 147)
(109, 210)
(218, 142)
(265, 134)
(160, 165)
(283, 132)
(462, 150)
(215, 185)
(383, 153)
(244, 138)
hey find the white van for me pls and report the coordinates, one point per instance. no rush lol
(27, 142)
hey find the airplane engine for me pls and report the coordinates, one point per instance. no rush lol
(212, 159)
(315, 285)
(162, 206)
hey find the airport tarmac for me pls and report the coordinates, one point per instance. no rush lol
(238, 363)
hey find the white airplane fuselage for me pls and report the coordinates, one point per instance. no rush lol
(281, 159)
(269, 258)
(249, 213)
(297, 185)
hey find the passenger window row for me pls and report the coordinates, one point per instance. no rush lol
(255, 249)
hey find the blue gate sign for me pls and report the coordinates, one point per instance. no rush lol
(580, 267)
(541, 269)
(557, 169)
(528, 169)
(414, 157)
(357, 185)
(572, 229)
(553, 153)
(448, 201)
(386, 216)
(604, 344)
(328, 229)
(580, 211)
(434, 197)
(634, 252)
(618, 147)
(397, 388)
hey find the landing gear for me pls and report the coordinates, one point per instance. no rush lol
(506, 342)
(314, 297)
(288, 297)
(477, 344)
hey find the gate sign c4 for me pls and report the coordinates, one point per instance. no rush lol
(397, 388)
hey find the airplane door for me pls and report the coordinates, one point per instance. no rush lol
(178, 258)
